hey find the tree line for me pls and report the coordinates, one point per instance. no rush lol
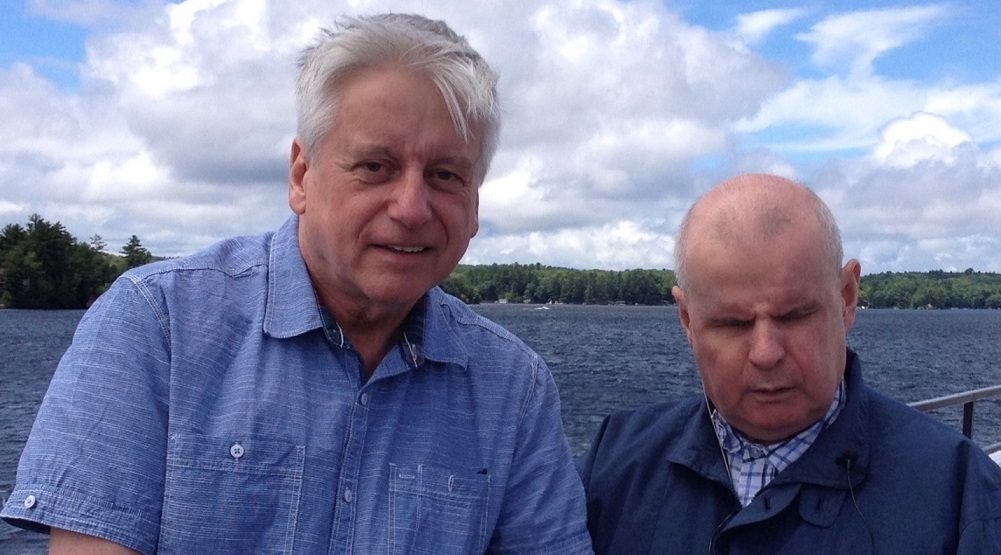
(535, 283)
(545, 284)
(935, 289)
(43, 266)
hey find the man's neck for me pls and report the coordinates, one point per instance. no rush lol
(372, 331)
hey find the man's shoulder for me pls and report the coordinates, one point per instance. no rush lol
(233, 257)
(469, 325)
(233, 272)
(654, 421)
(908, 423)
(908, 434)
(634, 446)
(646, 431)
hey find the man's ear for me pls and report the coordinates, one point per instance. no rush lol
(683, 316)
(851, 277)
(298, 167)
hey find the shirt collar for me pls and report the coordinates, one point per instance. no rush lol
(291, 301)
(780, 454)
(292, 306)
(412, 342)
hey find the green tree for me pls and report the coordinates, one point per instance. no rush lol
(135, 254)
(98, 244)
(458, 286)
(38, 265)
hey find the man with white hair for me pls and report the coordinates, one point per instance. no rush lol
(312, 390)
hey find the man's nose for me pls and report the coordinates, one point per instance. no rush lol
(766, 348)
(411, 202)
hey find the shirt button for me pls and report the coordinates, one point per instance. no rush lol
(348, 495)
(29, 502)
(363, 399)
(236, 450)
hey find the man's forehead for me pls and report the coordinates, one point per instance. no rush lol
(748, 302)
(736, 273)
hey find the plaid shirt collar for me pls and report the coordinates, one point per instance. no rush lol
(752, 465)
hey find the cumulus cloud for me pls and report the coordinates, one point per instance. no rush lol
(617, 115)
(906, 142)
(925, 194)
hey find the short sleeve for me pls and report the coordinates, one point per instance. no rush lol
(543, 509)
(95, 459)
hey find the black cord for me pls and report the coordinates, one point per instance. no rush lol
(849, 458)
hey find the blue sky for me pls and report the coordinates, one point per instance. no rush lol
(172, 120)
(54, 48)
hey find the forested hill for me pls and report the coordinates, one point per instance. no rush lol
(935, 289)
(43, 266)
(543, 284)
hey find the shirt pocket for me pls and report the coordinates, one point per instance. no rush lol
(433, 510)
(230, 495)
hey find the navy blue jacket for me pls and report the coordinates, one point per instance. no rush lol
(883, 478)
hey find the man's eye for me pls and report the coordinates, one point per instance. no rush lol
(373, 167)
(444, 175)
(796, 315)
(733, 323)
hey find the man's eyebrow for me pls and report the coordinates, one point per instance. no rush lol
(362, 150)
(460, 161)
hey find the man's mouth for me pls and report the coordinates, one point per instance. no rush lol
(410, 250)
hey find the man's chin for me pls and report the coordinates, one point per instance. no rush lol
(403, 293)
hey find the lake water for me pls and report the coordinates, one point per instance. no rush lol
(604, 358)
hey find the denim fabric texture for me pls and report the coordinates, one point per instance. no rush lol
(202, 409)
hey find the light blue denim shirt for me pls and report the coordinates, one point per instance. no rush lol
(202, 409)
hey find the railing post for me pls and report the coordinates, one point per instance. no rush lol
(968, 419)
(967, 399)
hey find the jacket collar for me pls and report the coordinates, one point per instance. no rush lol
(697, 448)
(843, 448)
(824, 463)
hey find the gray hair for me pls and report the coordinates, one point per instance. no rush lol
(466, 81)
(773, 215)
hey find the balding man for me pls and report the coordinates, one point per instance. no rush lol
(787, 451)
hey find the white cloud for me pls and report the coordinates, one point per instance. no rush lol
(612, 246)
(854, 40)
(617, 115)
(906, 142)
(754, 27)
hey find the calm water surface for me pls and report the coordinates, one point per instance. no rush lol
(603, 358)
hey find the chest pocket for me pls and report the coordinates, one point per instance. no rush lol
(230, 495)
(432, 510)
